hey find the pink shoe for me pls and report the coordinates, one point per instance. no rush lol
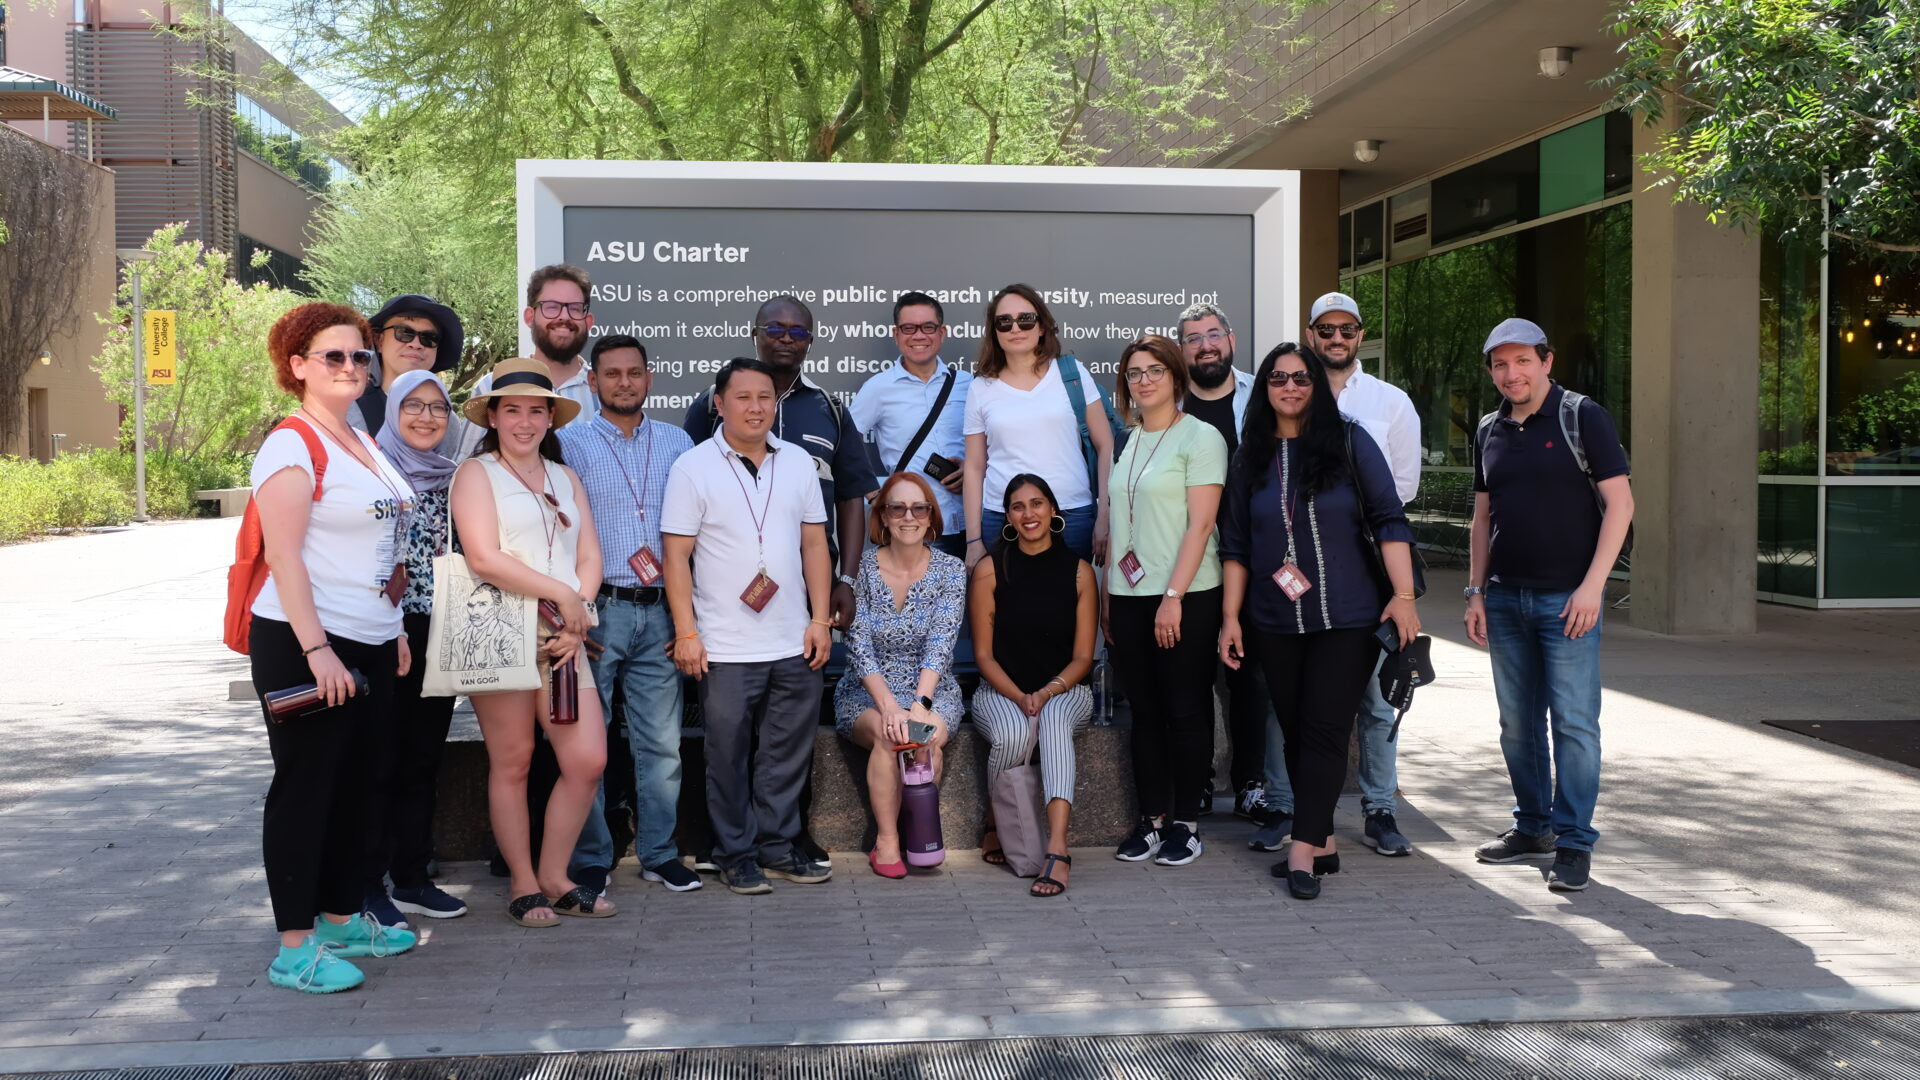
(894, 870)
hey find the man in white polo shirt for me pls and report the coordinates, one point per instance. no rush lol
(1386, 412)
(748, 582)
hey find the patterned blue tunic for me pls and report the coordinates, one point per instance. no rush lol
(896, 645)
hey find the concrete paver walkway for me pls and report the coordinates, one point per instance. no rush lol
(1740, 870)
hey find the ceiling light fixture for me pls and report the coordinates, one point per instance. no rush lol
(1366, 151)
(1555, 61)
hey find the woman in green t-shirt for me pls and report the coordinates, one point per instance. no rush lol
(1163, 596)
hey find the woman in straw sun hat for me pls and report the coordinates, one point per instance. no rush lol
(525, 528)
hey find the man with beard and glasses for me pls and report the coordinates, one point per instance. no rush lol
(623, 460)
(1218, 392)
(1386, 412)
(559, 299)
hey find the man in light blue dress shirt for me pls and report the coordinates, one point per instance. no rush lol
(892, 406)
(623, 460)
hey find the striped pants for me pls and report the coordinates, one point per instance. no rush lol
(1009, 732)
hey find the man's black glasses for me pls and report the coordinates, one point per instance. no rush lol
(1347, 331)
(405, 335)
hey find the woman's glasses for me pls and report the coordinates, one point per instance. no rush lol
(1026, 320)
(406, 335)
(439, 410)
(1150, 373)
(337, 358)
(1280, 378)
(902, 511)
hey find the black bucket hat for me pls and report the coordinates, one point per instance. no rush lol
(451, 335)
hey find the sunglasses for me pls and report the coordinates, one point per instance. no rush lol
(1026, 320)
(406, 335)
(797, 334)
(439, 410)
(902, 511)
(1281, 378)
(1150, 373)
(1347, 331)
(336, 359)
(551, 309)
(908, 329)
(565, 522)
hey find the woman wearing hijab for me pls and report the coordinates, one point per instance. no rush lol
(400, 821)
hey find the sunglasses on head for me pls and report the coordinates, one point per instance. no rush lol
(406, 335)
(1026, 320)
(1347, 331)
(1277, 377)
(798, 334)
(337, 358)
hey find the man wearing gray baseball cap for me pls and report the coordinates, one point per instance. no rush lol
(1551, 512)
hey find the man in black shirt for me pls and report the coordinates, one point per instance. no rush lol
(1551, 511)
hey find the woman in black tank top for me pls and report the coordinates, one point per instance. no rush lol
(1034, 606)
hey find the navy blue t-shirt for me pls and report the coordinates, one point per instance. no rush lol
(1545, 523)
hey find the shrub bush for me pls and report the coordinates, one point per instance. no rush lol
(75, 491)
(171, 481)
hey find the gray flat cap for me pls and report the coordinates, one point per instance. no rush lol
(1515, 332)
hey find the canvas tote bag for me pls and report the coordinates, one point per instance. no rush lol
(1019, 816)
(481, 639)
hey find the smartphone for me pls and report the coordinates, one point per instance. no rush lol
(940, 468)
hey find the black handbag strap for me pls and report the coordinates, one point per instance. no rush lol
(939, 403)
(1366, 528)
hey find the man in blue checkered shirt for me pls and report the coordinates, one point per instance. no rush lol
(623, 460)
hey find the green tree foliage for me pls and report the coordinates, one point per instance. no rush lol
(1764, 101)
(225, 397)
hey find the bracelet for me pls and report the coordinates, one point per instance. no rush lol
(822, 622)
(688, 637)
(304, 653)
(1405, 596)
(975, 540)
(1055, 679)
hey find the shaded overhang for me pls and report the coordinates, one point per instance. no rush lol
(26, 96)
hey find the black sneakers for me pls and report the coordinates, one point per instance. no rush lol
(1272, 834)
(1383, 835)
(1514, 845)
(1572, 870)
(674, 874)
(1252, 803)
(1141, 844)
(1179, 847)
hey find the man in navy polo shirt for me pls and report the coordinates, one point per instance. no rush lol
(1551, 509)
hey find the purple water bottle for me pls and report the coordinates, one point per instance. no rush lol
(920, 837)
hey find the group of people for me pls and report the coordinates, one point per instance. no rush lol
(1222, 531)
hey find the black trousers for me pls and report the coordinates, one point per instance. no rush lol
(314, 832)
(1317, 681)
(1171, 691)
(1247, 705)
(402, 788)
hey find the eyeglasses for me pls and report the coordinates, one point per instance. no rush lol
(797, 334)
(406, 335)
(1150, 373)
(551, 309)
(1211, 337)
(902, 511)
(908, 329)
(1026, 320)
(337, 358)
(1347, 331)
(1280, 378)
(439, 410)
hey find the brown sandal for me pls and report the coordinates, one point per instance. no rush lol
(991, 856)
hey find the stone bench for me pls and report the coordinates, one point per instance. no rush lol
(233, 501)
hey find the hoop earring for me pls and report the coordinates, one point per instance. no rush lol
(1009, 533)
(1058, 525)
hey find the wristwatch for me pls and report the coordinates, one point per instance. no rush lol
(1173, 594)
(1472, 591)
(925, 702)
(846, 579)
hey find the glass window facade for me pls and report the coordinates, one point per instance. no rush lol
(1873, 369)
(266, 137)
(1789, 360)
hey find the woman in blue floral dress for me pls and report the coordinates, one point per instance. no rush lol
(910, 602)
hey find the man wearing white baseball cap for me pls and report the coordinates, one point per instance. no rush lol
(1551, 508)
(1386, 412)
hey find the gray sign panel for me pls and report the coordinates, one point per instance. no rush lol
(687, 281)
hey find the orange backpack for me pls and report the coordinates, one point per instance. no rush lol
(249, 570)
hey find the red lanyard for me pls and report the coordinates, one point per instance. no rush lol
(372, 465)
(540, 499)
(760, 519)
(646, 469)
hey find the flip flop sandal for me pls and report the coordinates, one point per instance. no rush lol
(582, 903)
(992, 856)
(517, 911)
(1046, 876)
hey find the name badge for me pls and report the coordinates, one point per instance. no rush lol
(1130, 567)
(396, 587)
(645, 566)
(759, 592)
(1291, 581)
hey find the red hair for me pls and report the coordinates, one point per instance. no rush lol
(295, 330)
(877, 517)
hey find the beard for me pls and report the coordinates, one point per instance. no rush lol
(622, 410)
(1353, 355)
(559, 354)
(1208, 374)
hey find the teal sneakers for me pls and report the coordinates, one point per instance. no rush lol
(313, 968)
(363, 936)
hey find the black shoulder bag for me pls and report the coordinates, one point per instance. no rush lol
(926, 426)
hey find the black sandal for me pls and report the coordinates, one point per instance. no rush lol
(517, 911)
(581, 903)
(1046, 876)
(991, 856)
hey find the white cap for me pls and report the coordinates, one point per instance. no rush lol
(1333, 301)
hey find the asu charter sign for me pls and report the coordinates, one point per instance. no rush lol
(681, 253)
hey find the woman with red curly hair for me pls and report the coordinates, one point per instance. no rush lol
(332, 519)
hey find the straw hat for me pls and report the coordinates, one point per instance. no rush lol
(522, 378)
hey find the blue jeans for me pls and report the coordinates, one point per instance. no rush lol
(1079, 534)
(1544, 679)
(1379, 776)
(635, 637)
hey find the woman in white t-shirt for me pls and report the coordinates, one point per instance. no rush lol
(524, 526)
(329, 615)
(1020, 420)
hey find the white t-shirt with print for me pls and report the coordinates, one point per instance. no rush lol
(714, 497)
(1031, 431)
(355, 535)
